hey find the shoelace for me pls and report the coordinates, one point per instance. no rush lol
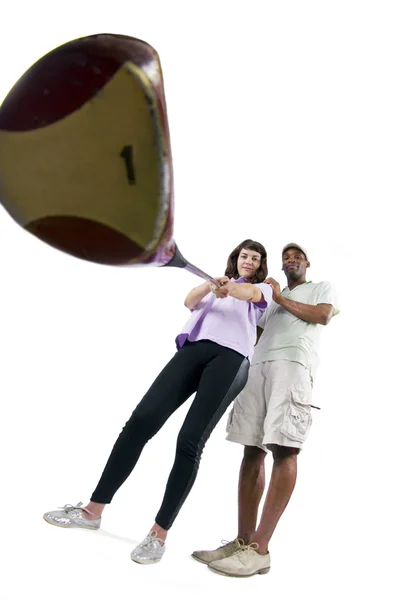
(68, 507)
(150, 539)
(226, 542)
(245, 551)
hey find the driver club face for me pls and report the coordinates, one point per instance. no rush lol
(85, 157)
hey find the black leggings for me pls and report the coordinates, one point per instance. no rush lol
(218, 374)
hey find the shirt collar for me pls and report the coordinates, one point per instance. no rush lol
(286, 288)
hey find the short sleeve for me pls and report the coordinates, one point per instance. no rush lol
(266, 290)
(202, 305)
(327, 295)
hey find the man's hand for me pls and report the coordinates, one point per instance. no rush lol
(276, 290)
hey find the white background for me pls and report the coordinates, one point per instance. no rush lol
(284, 119)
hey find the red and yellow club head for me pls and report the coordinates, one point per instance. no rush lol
(85, 157)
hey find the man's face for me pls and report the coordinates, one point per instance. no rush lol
(294, 264)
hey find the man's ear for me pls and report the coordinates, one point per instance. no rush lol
(308, 264)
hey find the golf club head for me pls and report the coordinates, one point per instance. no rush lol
(85, 156)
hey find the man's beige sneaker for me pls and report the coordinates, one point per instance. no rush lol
(227, 549)
(245, 562)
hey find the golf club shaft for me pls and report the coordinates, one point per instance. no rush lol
(178, 260)
(196, 271)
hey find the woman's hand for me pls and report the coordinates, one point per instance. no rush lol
(221, 291)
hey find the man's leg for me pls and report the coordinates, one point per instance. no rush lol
(281, 486)
(246, 427)
(287, 392)
(251, 489)
(251, 560)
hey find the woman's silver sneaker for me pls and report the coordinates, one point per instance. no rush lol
(71, 516)
(150, 551)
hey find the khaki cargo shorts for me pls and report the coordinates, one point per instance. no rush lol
(274, 407)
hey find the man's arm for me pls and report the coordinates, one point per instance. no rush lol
(320, 313)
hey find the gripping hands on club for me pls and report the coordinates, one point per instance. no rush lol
(222, 290)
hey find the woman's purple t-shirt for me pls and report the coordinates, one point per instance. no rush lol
(226, 321)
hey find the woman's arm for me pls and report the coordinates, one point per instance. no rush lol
(197, 294)
(244, 291)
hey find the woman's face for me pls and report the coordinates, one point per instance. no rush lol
(248, 263)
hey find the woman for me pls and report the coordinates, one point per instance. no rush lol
(212, 359)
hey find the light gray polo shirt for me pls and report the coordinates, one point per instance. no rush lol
(286, 337)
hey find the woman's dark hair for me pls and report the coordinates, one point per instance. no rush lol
(231, 267)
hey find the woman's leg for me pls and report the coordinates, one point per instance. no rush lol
(222, 380)
(178, 380)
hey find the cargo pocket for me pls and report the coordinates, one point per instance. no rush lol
(297, 419)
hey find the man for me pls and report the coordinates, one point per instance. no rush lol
(273, 412)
